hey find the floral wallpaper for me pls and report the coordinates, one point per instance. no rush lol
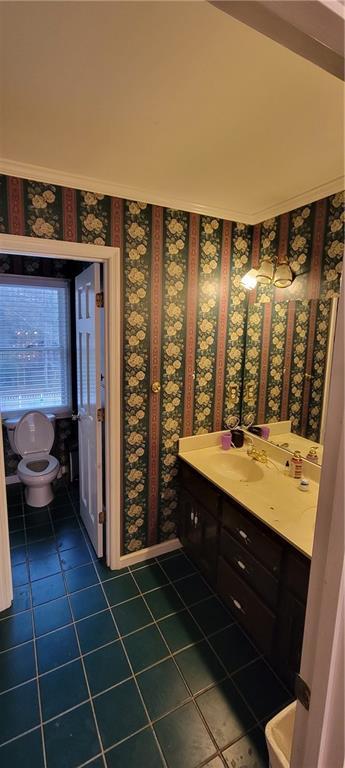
(189, 325)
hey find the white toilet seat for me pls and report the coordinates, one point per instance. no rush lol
(23, 468)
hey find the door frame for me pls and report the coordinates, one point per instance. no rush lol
(111, 259)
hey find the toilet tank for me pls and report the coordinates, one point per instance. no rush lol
(11, 424)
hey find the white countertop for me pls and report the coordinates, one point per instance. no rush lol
(271, 495)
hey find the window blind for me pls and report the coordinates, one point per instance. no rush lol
(34, 345)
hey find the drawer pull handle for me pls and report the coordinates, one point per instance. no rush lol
(244, 535)
(241, 565)
(192, 516)
(196, 520)
(237, 604)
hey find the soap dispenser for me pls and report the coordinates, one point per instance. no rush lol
(296, 465)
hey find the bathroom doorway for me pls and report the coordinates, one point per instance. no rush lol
(96, 396)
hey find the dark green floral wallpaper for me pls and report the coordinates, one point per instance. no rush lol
(185, 323)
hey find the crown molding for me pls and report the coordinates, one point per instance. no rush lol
(101, 186)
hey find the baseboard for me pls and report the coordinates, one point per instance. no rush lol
(145, 554)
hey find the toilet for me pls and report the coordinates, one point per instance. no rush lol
(31, 436)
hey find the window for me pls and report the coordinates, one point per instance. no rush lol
(34, 345)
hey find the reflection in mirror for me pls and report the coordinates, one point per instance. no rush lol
(287, 365)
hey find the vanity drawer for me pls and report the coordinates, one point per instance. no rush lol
(253, 615)
(251, 536)
(200, 488)
(249, 569)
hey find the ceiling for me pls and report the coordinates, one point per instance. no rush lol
(175, 103)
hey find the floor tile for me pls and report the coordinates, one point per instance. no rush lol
(177, 567)
(145, 647)
(19, 711)
(71, 558)
(120, 589)
(18, 555)
(199, 666)
(15, 630)
(17, 539)
(98, 763)
(56, 648)
(233, 648)
(62, 512)
(16, 523)
(17, 666)
(41, 549)
(87, 602)
(225, 713)
(74, 736)
(39, 532)
(162, 688)
(106, 573)
(47, 566)
(106, 667)
(140, 750)
(62, 689)
(79, 578)
(143, 563)
(183, 738)
(21, 601)
(14, 510)
(132, 615)
(163, 601)
(96, 630)
(211, 615)
(51, 616)
(216, 763)
(70, 539)
(261, 689)
(124, 700)
(47, 589)
(180, 630)
(66, 525)
(20, 575)
(150, 577)
(250, 751)
(192, 589)
(41, 517)
(15, 754)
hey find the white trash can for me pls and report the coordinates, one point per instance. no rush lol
(279, 733)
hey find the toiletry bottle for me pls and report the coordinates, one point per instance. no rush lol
(296, 465)
(312, 455)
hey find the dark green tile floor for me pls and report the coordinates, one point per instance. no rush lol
(143, 667)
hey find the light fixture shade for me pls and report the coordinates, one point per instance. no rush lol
(266, 271)
(283, 275)
(249, 280)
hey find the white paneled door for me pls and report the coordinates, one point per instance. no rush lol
(88, 329)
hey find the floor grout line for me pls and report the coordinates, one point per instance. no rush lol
(155, 622)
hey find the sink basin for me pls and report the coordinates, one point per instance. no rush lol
(239, 467)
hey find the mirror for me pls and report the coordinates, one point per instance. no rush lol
(286, 372)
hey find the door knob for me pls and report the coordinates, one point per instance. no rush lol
(156, 387)
(76, 416)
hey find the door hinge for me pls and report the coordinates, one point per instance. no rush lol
(101, 517)
(100, 299)
(302, 692)
(100, 414)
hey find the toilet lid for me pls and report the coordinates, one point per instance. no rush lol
(34, 433)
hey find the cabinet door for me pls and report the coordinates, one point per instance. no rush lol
(189, 524)
(290, 637)
(199, 534)
(208, 544)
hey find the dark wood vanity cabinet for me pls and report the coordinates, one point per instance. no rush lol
(262, 579)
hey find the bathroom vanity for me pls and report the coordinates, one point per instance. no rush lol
(250, 530)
